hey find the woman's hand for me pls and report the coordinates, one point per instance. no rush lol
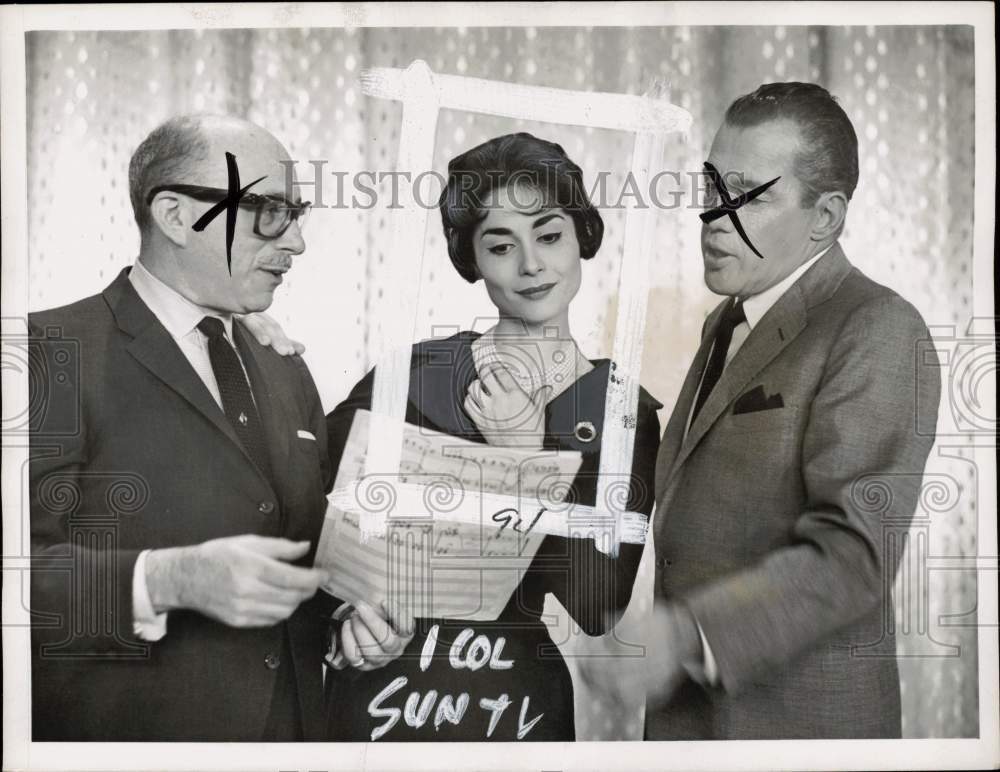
(504, 413)
(370, 638)
(269, 333)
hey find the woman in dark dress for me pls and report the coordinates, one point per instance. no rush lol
(516, 215)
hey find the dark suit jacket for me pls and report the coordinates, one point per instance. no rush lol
(129, 451)
(776, 524)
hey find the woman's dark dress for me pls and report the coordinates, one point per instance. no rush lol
(590, 585)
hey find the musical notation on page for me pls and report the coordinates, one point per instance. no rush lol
(445, 553)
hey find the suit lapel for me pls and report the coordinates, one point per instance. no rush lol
(674, 434)
(272, 400)
(154, 349)
(779, 327)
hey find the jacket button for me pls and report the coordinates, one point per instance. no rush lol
(662, 563)
(266, 507)
(273, 661)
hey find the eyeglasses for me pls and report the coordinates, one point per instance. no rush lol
(272, 216)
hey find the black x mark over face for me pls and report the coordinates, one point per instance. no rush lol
(273, 214)
(230, 205)
(731, 205)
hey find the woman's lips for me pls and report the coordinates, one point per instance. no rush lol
(536, 293)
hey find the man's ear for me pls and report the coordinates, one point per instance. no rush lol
(172, 216)
(831, 211)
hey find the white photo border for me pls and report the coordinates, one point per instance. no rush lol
(20, 753)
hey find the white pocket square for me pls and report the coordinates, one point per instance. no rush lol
(306, 435)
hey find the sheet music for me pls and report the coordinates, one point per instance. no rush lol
(437, 558)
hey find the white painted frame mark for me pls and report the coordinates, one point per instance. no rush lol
(423, 94)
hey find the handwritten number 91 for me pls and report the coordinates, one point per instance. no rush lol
(511, 517)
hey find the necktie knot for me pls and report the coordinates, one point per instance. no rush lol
(212, 328)
(735, 315)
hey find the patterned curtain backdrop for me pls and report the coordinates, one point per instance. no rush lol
(92, 96)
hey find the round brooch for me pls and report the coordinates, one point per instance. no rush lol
(585, 431)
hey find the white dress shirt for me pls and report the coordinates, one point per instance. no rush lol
(754, 307)
(180, 317)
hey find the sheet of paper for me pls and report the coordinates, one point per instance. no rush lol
(436, 558)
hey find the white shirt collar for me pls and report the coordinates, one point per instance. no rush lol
(757, 305)
(178, 314)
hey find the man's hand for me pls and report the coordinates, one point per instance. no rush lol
(504, 413)
(269, 333)
(672, 645)
(372, 638)
(241, 581)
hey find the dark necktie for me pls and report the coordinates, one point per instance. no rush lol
(237, 401)
(731, 318)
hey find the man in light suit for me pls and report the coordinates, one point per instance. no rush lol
(773, 575)
(179, 471)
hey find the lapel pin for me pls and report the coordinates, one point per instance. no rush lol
(243, 419)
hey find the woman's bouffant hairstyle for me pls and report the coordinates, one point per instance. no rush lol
(513, 161)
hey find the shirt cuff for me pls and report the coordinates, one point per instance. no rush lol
(705, 672)
(711, 668)
(146, 623)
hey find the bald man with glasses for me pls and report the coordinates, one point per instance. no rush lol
(178, 477)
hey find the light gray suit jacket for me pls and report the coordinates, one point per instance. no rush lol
(775, 526)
